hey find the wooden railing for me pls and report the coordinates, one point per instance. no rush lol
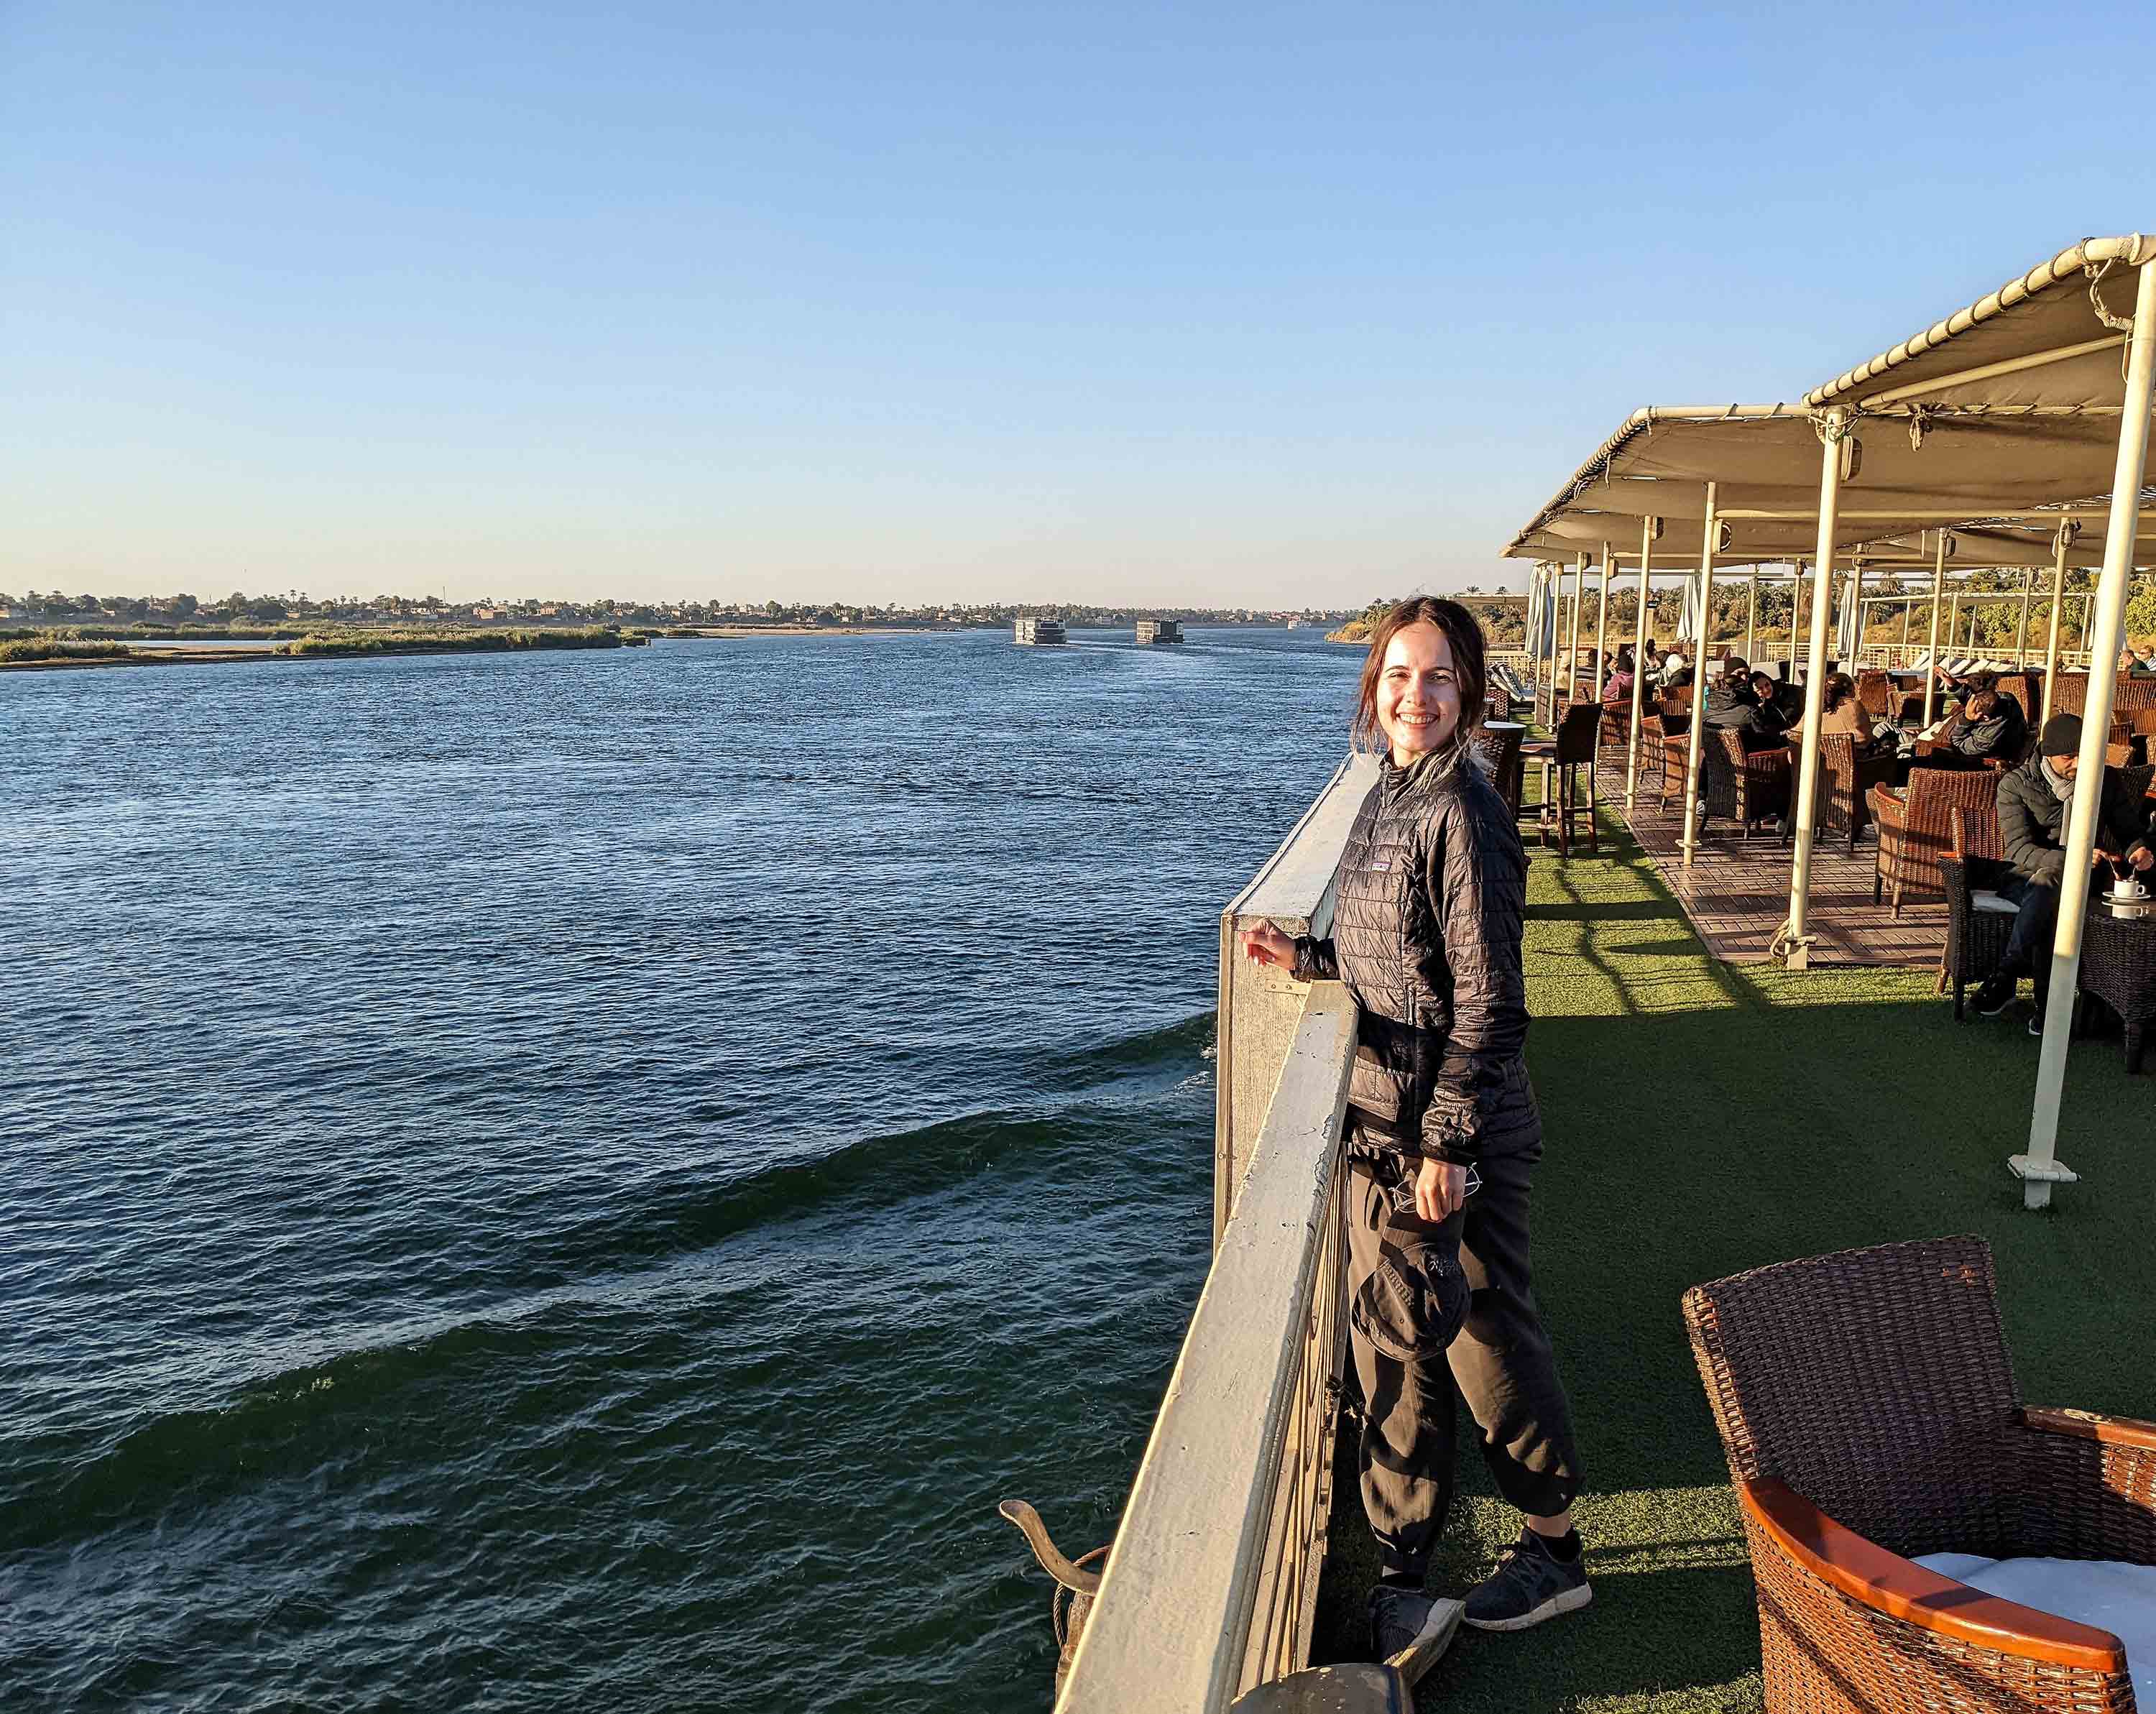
(1211, 1585)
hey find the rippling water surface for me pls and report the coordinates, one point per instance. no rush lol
(573, 1181)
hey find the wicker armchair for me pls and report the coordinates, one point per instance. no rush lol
(1978, 921)
(1499, 752)
(1916, 827)
(1762, 779)
(1874, 695)
(1846, 780)
(1867, 1408)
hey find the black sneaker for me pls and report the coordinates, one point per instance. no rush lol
(1996, 995)
(1529, 1585)
(2036, 1023)
(1409, 1630)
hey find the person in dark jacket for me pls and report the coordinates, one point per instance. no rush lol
(1768, 720)
(1988, 723)
(2033, 803)
(1442, 1134)
(1730, 699)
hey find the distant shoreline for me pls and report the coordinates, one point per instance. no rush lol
(732, 633)
(68, 655)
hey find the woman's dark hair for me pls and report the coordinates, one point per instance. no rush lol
(1624, 659)
(1839, 688)
(1462, 636)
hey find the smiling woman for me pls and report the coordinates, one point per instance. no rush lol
(1443, 1135)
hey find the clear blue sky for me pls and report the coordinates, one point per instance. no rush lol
(1207, 303)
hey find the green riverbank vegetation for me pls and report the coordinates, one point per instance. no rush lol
(457, 642)
(35, 646)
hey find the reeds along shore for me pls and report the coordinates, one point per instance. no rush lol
(457, 642)
(61, 649)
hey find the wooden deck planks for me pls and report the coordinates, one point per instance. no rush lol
(1737, 892)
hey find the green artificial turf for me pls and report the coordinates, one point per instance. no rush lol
(1702, 1118)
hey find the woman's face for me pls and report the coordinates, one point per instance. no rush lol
(1418, 697)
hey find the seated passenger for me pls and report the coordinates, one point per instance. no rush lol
(1989, 724)
(1618, 688)
(1769, 722)
(1843, 714)
(1730, 699)
(2033, 803)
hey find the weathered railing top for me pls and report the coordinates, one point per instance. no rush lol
(1171, 1629)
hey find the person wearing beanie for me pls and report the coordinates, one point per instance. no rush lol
(2034, 800)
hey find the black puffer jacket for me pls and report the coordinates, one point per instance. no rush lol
(1426, 925)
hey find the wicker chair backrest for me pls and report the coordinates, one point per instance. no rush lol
(1934, 794)
(2134, 693)
(2017, 685)
(1977, 836)
(2070, 695)
(1874, 693)
(1875, 1382)
(1577, 731)
(1500, 751)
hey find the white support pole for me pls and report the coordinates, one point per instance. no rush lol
(2021, 635)
(1796, 616)
(1751, 620)
(1939, 586)
(1572, 643)
(1792, 942)
(1552, 592)
(1699, 683)
(2039, 1169)
(1639, 663)
(1537, 594)
(1602, 627)
(1856, 606)
(1908, 616)
(2059, 545)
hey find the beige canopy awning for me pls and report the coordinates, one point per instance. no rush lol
(2005, 483)
(2004, 414)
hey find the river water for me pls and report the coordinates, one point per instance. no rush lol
(572, 1180)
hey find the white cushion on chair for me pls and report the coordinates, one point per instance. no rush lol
(1985, 899)
(2117, 1598)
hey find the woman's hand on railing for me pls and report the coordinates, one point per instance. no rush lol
(1264, 944)
(1440, 1187)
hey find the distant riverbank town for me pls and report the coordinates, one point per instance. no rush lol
(296, 610)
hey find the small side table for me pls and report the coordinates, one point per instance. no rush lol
(2118, 967)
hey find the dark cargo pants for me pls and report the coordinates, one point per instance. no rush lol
(1500, 1363)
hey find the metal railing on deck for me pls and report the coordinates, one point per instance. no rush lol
(1211, 1586)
